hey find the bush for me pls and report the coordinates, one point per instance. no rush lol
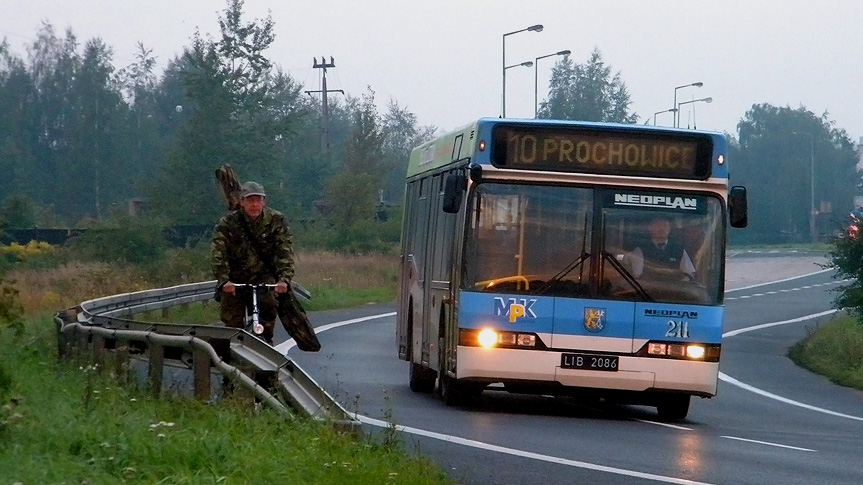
(34, 254)
(11, 311)
(847, 257)
(128, 240)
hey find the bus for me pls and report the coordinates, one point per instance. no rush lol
(524, 263)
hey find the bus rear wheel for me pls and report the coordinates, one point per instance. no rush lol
(422, 379)
(674, 407)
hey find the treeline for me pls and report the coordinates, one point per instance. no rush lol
(81, 140)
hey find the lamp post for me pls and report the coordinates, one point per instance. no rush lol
(677, 111)
(536, 78)
(532, 28)
(671, 110)
(813, 237)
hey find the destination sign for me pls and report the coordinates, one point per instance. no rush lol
(564, 149)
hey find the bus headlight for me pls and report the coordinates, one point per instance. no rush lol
(695, 352)
(674, 350)
(487, 338)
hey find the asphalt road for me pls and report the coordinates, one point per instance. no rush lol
(771, 423)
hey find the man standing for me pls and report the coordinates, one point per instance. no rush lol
(252, 245)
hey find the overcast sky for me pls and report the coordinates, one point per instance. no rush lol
(441, 59)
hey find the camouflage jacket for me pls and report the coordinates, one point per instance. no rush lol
(234, 258)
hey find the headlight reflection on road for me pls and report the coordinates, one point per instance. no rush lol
(689, 456)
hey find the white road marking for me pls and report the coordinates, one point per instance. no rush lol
(761, 392)
(523, 454)
(667, 425)
(732, 333)
(289, 344)
(778, 281)
(284, 347)
(768, 443)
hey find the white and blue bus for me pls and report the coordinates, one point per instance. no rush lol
(530, 260)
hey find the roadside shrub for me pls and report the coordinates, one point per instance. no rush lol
(847, 257)
(180, 265)
(128, 240)
(34, 254)
(11, 312)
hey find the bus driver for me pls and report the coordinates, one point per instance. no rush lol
(658, 255)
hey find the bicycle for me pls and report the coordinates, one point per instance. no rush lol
(253, 321)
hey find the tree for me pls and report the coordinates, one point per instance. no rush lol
(782, 152)
(353, 191)
(586, 92)
(847, 257)
(234, 116)
(401, 135)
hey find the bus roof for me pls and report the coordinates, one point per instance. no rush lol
(464, 142)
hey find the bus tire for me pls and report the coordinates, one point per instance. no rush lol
(452, 392)
(674, 407)
(422, 379)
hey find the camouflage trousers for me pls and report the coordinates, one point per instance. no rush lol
(234, 308)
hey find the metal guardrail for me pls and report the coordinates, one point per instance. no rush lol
(101, 326)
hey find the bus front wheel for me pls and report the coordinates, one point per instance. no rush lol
(673, 407)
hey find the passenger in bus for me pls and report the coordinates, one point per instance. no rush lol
(659, 256)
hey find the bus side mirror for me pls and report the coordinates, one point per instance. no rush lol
(454, 188)
(737, 209)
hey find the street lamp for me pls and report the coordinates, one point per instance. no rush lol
(536, 77)
(670, 110)
(677, 111)
(532, 28)
(812, 211)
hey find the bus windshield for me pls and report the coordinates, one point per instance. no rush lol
(602, 243)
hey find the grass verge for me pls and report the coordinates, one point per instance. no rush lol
(62, 422)
(834, 350)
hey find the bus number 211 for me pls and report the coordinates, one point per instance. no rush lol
(677, 329)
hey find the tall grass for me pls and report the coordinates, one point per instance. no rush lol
(834, 350)
(335, 280)
(62, 422)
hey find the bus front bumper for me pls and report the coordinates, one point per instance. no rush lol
(633, 373)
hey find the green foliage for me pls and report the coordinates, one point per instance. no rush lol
(778, 150)
(586, 92)
(847, 258)
(180, 265)
(834, 350)
(11, 312)
(72, 422)
(33, 255)
(126, 239)
(18, 211)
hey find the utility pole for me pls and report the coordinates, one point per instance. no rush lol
(325, 131)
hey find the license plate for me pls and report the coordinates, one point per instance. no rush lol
(589, 362)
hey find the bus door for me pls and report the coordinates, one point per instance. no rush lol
(414, 253)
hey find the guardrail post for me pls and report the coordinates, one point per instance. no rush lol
(99, 352)
(121, 360)
(201, 371)
(156, 369)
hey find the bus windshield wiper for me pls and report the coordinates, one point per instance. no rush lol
(575, 263)
(627, 276)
